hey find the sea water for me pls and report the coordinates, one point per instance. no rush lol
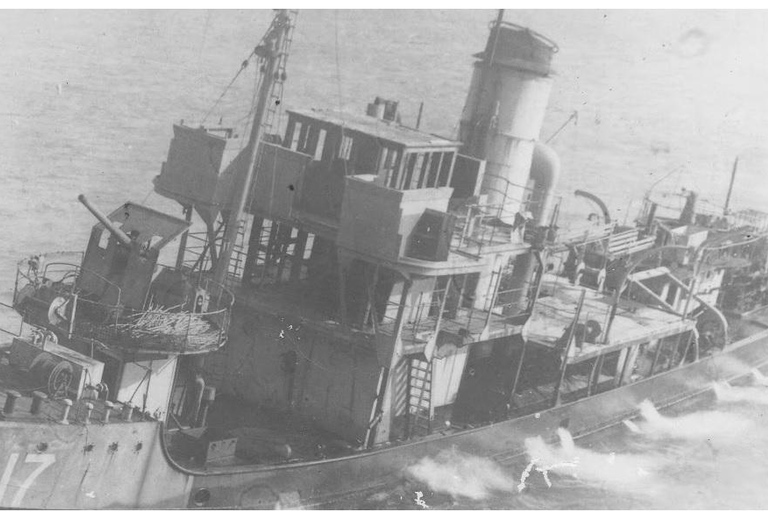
(673, 97)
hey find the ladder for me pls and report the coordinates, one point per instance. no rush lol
(419, 397)
(270, 121)
(240, 251)
(274, 106)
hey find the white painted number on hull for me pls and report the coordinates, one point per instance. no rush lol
(44, 459)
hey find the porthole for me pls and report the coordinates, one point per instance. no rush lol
(202, 497)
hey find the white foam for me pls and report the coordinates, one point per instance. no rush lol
(632, 426)
(727, 393)
(583, 464)
(732, 365)
(697, 425)
(566, 440)
(758, 377)
(461, 475)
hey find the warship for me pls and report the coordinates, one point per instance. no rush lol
(360, 295)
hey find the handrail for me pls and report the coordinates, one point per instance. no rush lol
(79, 269)
(95, 319)
(21, 321)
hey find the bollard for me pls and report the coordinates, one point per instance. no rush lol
(10, 401)
(67, 406)
(127, 412)
(108, 408)
(38, 397)
(88, 412)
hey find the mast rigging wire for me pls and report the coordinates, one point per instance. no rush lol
(243, 65)
(226, 89)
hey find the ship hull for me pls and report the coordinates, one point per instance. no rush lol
(118, 465)
(322, 483)
(127, 465)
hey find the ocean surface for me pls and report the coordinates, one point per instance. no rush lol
(88, 98)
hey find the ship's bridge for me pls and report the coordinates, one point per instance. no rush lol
(384, 192)
(399, 157)
(392, 192)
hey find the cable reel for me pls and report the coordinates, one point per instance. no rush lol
(54, 375)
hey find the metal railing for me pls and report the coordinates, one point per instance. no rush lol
(551, 288)
(480, 227)
(199, 324)
(5, 327)
(428, 317)
(590, 234)
(193, 326)
(197, 256)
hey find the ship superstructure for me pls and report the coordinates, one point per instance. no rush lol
(385, 276)
(389, 248)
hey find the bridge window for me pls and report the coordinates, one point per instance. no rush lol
(445, 170)
(410, 165)
(424, 170)
(434, 168)
(297, 128)
(345, 149)
(320, 144)
(393, 174)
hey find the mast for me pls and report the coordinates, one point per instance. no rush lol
(730, 187)
(269, 50)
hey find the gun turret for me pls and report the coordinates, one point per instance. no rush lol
(121, 237)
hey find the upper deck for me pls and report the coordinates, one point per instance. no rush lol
(632, 323)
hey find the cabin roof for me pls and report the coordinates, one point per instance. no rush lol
(375, 127)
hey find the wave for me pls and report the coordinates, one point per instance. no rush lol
(617, 469)
(727, 393)
(461, 475)
(697, 425)
(758, 378)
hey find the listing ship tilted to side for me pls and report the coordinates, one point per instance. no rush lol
(364, 295)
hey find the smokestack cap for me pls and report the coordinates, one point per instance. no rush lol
(518, 47)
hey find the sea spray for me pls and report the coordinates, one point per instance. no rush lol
(617, 469)
(610, 467)
(632, 426)
(566, 441)
(461, 475)
(758, 378)
(732, 365)
(698, 425)
(727, 393)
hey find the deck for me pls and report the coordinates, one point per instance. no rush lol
(52, 410)
(470, 325)
(633, 322)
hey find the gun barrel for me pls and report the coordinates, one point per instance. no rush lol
(117, 232)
